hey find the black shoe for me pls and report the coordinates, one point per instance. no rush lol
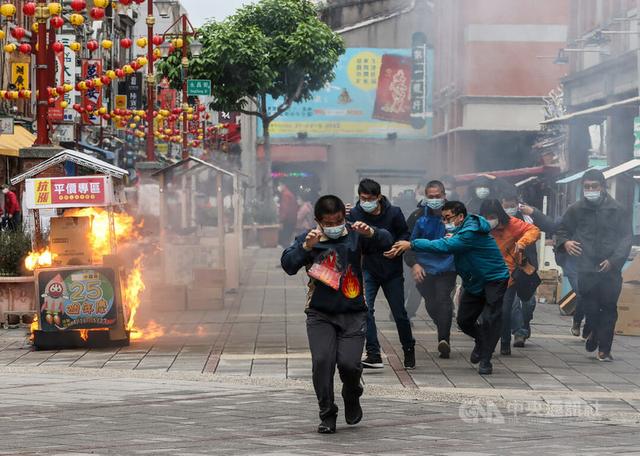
(575, 329)
(591, 344)
(328, 425)
(486, 368)
(372, 362)
(604, 357)
(518, 341)
(444, 348)
(352, 408)
(410, 358)
(505, 350)
(475, 354)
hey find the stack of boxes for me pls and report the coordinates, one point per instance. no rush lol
(629, 302)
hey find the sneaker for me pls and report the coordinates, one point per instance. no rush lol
(585, 332)
(518, 341)
(475, 354)
(372, 362)
(591, 344)
(486, 368)
(328, 425)
(444, 348)
(410, 359)
(604, 357)
(352, 408)
(575, 329)
(505, 350)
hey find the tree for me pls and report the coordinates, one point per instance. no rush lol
(274, 48)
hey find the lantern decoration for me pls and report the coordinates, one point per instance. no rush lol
(142, 42)
(78, 5)
(18, 33)
(64, 104)
(126, 43)
(8, 10)
(10, 48)
(56, 21)
(75, 46)
(34, 27)
(29, 9)
(76, 19)
(106, 80)
(125, 2)
(128, 69)
(157, 54)
(96, 13)
(92, 45)
(178, 43)
(101, 3)
(120, 73)
(107, 44)
(142, 61)
(57, 47)
(55, 8)
(111, 74)
(2, 34)
(158, 40)
(25, 48)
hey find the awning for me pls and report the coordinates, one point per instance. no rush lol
(623, 168)
(520, 172)
(289, 153)
(577, 176)
(591, 111)
(10, 145)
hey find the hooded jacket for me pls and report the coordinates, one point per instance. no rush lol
(334, 269)
(476, 255)
(425, 224)
(516, 232)
(603, 230)
(392, 220)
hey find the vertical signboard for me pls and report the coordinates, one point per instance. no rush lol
(67, 71)
(91, 69)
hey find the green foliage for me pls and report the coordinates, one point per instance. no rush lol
(171, 67)
(14, 247)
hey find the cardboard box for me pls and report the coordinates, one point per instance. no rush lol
(205, 298)
(69, 241)
(165, 298)
(209, 277)
(550, 290)
(629, 311)
(632, 272)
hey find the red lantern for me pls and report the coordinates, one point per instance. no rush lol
(139, 2)
(157, 40)
(51, 101)
(120, 73)
(18, 33)
(171, 48)
(125, 2)
(202, 108)
(107, 116)
(90, 84)
(126, 43)
(90, 107)
(57, 47)
(93, 45)
(56, 22)
(135, 65)
(25, 48)
(77, 107)
(29, 9)
(106, 80)
(78, 5)
(60, 90)
(96, 13)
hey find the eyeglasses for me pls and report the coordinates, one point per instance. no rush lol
(594, 186)
(448, 219)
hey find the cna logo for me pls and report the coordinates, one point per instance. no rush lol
(476, 411)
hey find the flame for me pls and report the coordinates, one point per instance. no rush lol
(152, 331)
(133, 288)
(350, 284)
(124, 226)
(40, 259)
(33, 327)
(84, 334)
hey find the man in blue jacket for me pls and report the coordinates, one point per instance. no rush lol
(380, 272)
(484, 274)
(434, 273)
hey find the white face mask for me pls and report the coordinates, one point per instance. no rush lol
(369, 206)
(592, 196)
(493, 223)
(333, 232)
(482, 192)
(511, 211)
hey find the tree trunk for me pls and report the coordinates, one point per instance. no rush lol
(265, 180)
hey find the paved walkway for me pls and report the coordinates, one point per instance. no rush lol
(260, 335)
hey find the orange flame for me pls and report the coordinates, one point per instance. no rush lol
(84, 334)
(152, 331)
(133, 288)
(40, 259)
(350, 284)
(33, 327)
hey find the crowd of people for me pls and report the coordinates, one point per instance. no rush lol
(489, 243)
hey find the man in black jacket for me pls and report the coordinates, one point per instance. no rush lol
(597, 231)
(380, 272)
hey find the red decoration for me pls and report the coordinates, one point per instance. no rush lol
(96, 13)
(157, 40)
(29, 9)
(93, 45)
(18, 33)
(106, 80)
(25, 48)
(139, 2)
(57, 47)
(126, 43)
(56, 22)
(89, 107)
(78, 5)
(135, 65)
(126, 2)
(77, 107)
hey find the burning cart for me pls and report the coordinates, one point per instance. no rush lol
(78, 278)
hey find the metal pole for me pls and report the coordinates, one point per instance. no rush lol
(42, 76)
(151, 82)
(185, 98)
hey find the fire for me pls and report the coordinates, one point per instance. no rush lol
(124, 226)
(84, 334)
(133, 288)
(350, 284)
(33, 327)
(152, 331)
(40, 259)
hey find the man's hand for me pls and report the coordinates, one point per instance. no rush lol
(526, 209)
(605, 266)
(573, 248)
(10, 216)
(398, 249)
(362, 228)
(348, 208)
(418, 273)
(313, 237)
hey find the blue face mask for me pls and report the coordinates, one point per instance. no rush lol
(333, 232)
(511, 211)
(482, 192)
(592, 196)
(450, 227)
(434, 203)
(369, 206)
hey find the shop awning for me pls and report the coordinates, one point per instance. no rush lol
(592, 111)
(578, 176)
(519, 172)
(623, 168)
(10, 145)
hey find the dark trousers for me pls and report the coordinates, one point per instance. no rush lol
(507, 309)
(599, 293)
(489, 305)
(412, 295)
(15, 222)
(335, 339)
(393, 290)
(436, 291)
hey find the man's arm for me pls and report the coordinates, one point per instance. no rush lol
(400, 225)
(380, 242)
(410, 257)
(295, 257)
(454, 244)
(544, 222)
(566, 229)
(621, 253)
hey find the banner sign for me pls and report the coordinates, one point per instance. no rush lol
(61, 192)
(168, 98)
(91, 69)
(77, 298)
(132, 90)
(375, 93)
(66, 71)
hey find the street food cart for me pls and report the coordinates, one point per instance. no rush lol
(78, 279)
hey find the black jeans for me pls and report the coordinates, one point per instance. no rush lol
(489, 305)
(436, 291)
(599, 293)
(335, 339)
(507, 308)
(393, 290)
(15, 222)
(412, 296)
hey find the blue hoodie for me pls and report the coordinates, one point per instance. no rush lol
(429, 226)
(477, 257)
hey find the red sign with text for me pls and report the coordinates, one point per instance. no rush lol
(69, 190)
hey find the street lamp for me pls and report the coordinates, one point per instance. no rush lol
(42, 75)
(151, 82)
(164, 8)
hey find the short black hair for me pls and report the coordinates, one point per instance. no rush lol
(594, 175)
(456, 207)
(327, 205)
(434, 184)
(509, 196)
(494, 207)
(369, 187)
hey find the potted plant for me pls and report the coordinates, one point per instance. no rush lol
(14, 247)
